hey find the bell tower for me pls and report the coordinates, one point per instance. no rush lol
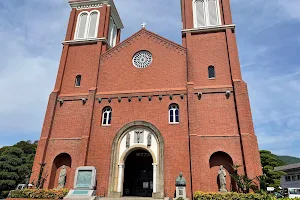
(219, 109)
(94, 27)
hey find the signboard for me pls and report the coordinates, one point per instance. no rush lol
(84, 178)
(270, 189)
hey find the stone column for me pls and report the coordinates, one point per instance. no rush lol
(120, 177)
(154, 177)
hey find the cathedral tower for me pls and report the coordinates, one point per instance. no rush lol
(220, 121)
(145, 109)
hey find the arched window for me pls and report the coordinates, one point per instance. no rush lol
(106, 116)
(206, 13)
(211, 72)
(82, 25)
(78, 81)
(93, 24)
(87, 25)
(173, 114)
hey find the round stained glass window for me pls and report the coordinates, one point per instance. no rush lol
(142, 59)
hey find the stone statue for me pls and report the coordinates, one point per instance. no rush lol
(62, 177)
(222, 178)
(128, 141)
(149, 140)
(180, 180)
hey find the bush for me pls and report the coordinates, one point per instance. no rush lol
(233, 196)
(3, 194)
(39, 194)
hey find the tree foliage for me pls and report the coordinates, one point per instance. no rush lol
(15, 165)
(289, 159)
(269, 161)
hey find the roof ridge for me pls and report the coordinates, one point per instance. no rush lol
(170, 41)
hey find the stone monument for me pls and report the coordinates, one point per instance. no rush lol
(180, 187)
(62, 177)
(222, 178)
(84, 184)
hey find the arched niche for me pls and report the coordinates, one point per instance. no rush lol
(216, 160)
(124, 143)
(58, 162)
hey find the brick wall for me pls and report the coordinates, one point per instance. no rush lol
(208, 124)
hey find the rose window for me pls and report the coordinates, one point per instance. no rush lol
(142, 59)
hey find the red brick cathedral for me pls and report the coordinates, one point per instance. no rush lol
(145, 109)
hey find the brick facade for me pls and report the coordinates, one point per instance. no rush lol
(215, 118)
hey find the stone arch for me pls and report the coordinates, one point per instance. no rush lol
(58, 162)
(114, 178)
(217, 159)
(136, 147)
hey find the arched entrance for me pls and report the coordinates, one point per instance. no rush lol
(133, 141)
(138, 174)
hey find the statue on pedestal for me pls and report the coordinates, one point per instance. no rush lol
(180, 187)
(222, 178)
(180, 180)
(62, 177)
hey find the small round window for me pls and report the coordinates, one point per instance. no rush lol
(142, 59)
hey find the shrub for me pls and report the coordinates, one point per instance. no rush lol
(39, 194)
(233, 196)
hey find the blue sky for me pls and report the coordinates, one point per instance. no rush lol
(31, 33)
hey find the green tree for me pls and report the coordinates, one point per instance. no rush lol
(15, 165)
(269, 161)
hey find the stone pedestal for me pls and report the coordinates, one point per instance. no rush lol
(180, 192)
(223, 190)
(84, 184)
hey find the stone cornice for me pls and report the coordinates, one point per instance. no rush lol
(85, 41)
(151, 36)
(209, 29)
(87, 4)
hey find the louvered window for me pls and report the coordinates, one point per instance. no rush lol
(81, 25)
(87, 25)
(206, 13)
(93, 26)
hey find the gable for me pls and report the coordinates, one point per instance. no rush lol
(150, 36)
(167, 69)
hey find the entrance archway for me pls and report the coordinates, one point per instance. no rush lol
(133, 137)
(138, 174)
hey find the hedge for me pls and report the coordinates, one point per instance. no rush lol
(39, 194)
(233, 196)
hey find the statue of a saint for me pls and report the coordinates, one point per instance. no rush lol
(62, 177)
(128, 140)
(149, 140)
(222, 178)
(138, 137)
(180, 180)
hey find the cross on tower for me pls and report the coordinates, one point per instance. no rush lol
(143, 25)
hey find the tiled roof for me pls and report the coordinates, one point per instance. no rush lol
(288, 167)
